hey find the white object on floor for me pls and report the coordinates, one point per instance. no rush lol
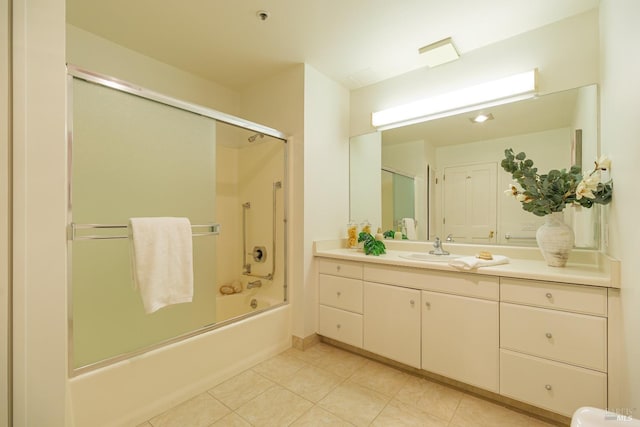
(471, 262)
(596, 417)
(162, 261)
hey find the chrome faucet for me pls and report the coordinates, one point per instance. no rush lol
(449, 238)
(254, 284)
(437, 248)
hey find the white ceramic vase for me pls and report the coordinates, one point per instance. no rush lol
(555, 240)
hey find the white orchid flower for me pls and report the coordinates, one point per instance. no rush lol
(603, 162)
(584, 190)
(592, 179)
(522, 198)
(511, 191)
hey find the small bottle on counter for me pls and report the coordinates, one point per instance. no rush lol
(366, 226)
(352, 234)
(379, 235)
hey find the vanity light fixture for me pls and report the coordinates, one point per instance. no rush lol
(440, 52)
(481, 118)
(495, 92)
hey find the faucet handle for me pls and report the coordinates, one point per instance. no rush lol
(450, 238)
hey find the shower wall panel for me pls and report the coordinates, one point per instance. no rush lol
(132, 157)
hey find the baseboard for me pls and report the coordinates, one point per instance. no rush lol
(304, 343)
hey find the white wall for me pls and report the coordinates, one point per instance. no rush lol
(326, 174)
(39, 214)
(365, 153)
(620, 127)
(565, 53)
(94, 53)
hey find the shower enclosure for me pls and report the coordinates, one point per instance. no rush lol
(136, 153)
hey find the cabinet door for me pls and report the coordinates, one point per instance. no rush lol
(460, 338)
(392, 322)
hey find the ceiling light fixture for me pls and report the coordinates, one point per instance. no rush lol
(440, 52)
(481, 118)
(496, 92)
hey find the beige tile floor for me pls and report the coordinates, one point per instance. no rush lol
(326, 386)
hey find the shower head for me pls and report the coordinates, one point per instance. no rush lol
(252, 138)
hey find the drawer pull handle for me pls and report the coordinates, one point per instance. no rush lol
(548, 335)
(548, 387)
(549, 295)
(337, 268)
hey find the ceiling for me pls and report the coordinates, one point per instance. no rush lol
(354, 42)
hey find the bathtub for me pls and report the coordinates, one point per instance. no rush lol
(247, 301)
(132, 391)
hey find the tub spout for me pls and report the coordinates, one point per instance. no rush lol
(254, 284)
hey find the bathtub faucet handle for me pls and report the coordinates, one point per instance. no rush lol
(254, 284)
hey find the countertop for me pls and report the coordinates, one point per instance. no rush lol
(585, 267)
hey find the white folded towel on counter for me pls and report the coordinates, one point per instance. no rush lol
(471, 262)
(162, 260)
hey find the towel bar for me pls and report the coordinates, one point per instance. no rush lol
(214, 229)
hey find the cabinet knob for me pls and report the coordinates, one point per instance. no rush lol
(338, 326)
(412, 302)
(548, 335)
(427, 304)
(338, 293)
(337, 268)
(549, 295)
(548, 386)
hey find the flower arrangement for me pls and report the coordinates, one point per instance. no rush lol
(551, 192)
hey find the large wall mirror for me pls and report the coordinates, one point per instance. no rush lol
(453, 166)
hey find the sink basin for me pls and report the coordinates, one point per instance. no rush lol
(425, 256)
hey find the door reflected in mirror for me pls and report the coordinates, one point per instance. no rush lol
(455, 164)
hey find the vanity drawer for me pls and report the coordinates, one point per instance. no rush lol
(581, 299)
(340, 325)
(566, 337)
(551, 385)
(340, 268)
(341, 292)
(465, 284)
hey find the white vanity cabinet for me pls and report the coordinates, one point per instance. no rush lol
(392, 322)
(553, 340)
(340, 297)
(543, 343)
(454, 332)
(460, 338)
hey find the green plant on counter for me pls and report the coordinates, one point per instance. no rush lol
(371, 245)
(390, 234)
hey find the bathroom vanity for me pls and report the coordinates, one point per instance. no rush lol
(523, 330)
